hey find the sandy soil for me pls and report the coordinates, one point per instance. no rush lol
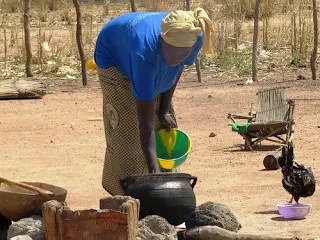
(52, 140)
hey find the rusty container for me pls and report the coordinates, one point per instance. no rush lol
(271, 161)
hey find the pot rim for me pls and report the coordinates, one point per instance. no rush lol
(164, 174)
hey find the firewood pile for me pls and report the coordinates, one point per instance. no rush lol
(21, 89)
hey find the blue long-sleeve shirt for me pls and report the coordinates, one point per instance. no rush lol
(131, 42)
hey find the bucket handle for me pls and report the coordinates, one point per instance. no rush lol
(194, 181)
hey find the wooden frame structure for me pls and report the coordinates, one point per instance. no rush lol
(117, 219)
(272, 120)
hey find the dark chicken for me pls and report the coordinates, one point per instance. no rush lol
(297, 180)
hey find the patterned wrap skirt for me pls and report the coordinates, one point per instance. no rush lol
(123, 156)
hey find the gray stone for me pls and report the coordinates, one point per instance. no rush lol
(155, 227)
(213, 214)
(217, 233)
(4, 226)
(21, 237)
(3, 234)
(32, 226)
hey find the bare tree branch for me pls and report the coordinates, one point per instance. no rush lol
(133, 6)
(79, 43)
(255, 40)
(26, 23)
(315, 41)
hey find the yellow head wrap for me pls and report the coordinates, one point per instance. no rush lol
(181, 29)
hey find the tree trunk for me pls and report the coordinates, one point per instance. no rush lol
(187, 6)
(255, 40)
(265, 32)
(235, 26)
(315, 43)
(79, 43)
(5, 46)
(52, 4)
(133, 6)
(198, 70)
(26, 23)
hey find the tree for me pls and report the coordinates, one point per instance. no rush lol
(52, 4)
(133, 6)
(187, 7)
(26, 24)
(313, 59)
(255, 40)
(79, 43)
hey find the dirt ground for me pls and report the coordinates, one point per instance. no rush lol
(54, 140)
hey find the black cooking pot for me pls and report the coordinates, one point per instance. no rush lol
(169, 195)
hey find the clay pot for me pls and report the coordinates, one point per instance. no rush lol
(169, 195)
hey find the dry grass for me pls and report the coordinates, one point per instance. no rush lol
(232, 23)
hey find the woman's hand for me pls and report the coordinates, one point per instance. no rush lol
(167, 121)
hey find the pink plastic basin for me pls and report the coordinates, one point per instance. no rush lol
(293, 211)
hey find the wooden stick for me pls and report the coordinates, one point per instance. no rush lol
(41, 191)
(315, 40)
(5, 46)
(300, 30)
(247, 144)
(22, 46)
(187, 5)
(275, 141)
(242, 116)
(50, 211)
(294, 34)
(40, 52)
(133, 6)
(235, 26)
(91, 27)
(26, 23)
(255, 41)
(16, 36)
(198, 70)
(264, 138)
(79, 43)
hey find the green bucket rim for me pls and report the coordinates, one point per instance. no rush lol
(184, 155)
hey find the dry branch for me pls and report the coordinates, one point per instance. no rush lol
(26, 23)
(315, 43)
(133, 6)
(79, 43)
(293, 35)
(52, 5)
(40, 50)
(5, 46)
(187, 5)
(255, 40)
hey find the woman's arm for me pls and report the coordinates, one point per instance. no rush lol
(147, 136)
(166, 99)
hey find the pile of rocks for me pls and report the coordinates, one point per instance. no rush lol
(209, 221)
(31, 228)
(208, 214)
